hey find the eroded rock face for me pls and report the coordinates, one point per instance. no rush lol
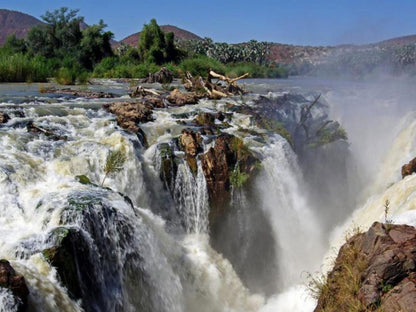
(4, 118)
(191, 142)
(387, 276)
(16, 283)
(129, 114)
(409, 168)
(218, 163)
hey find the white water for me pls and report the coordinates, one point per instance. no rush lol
(183, 272)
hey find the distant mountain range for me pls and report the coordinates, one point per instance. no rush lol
(17, 23)
(13, 22)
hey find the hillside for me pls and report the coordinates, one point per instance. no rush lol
(179, 33)
(17, 23)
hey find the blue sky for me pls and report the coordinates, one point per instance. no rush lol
(307, 22)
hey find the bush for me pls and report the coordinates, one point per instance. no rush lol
(21, 68)
(200, 65)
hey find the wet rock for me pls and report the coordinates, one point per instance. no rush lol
(382, 261)
(4, 118)
(178, 98)
(409, 168)
(31, 127)
(69, 254)
(191, 142)
(168, 166)
(129, 114)
(155, 101)
(218, 164)
(205, 119)
(16, 283)
(163, 76)
(81, 93)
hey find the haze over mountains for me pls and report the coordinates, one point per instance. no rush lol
(13, 22)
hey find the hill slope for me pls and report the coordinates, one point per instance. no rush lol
(17, 23)
(179, 33)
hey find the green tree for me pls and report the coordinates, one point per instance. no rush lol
(60, 35)
(95, 45)
(155, 46)
(14, 45)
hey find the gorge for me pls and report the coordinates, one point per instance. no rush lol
(219, 205)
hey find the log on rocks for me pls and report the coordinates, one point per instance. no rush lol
(224, 86)
(164, 75)
(139, 91)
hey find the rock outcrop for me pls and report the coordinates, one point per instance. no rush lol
(129, 114)
(15, 283)
(191, 143)
(178, 98)
(374, 271)
(409, 168)
(229, 158)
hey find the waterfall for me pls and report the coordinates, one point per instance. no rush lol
(297, 232)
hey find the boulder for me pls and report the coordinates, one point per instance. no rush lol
(409, 168)
(168, 166)
(15, 283)
(4, 118)
(205, 119)
(69, 254)
(178, 98)
(382, 264)
(129, 114)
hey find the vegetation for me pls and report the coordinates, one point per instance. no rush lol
(338, 291)
(238, 178)
(60, 48)
(114, 163)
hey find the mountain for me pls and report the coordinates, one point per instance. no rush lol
(179, 33)
(17, 23)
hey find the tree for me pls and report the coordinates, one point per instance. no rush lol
(60, 35)
(14, 45)
(95, 45)
(156, 47)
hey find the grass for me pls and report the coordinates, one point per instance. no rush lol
(114, 163)
(21, 68)
(338, 291)
(238, 178)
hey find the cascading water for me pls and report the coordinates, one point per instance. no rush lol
(143, 244)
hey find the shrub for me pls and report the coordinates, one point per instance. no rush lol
(200, 65)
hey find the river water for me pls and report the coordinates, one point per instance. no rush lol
(139, 256)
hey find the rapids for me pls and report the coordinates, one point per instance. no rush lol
(142, 248)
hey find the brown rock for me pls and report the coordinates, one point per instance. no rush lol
(4, 118)
(179, 98)
(16, 283)
(409, 168)
(384, 266)
(191, 143)
(205, 119)
(129, 114)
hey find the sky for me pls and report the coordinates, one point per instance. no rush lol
(301, 22)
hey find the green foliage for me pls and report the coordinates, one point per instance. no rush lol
(238, 178)
(14, 45)
(95, 45)
(114, 163)
(251, 52)
(155, 46)
(21, 68)
(200, 65)
(83, 179)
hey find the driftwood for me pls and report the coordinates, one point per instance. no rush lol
(224, 86)
(139, 91)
